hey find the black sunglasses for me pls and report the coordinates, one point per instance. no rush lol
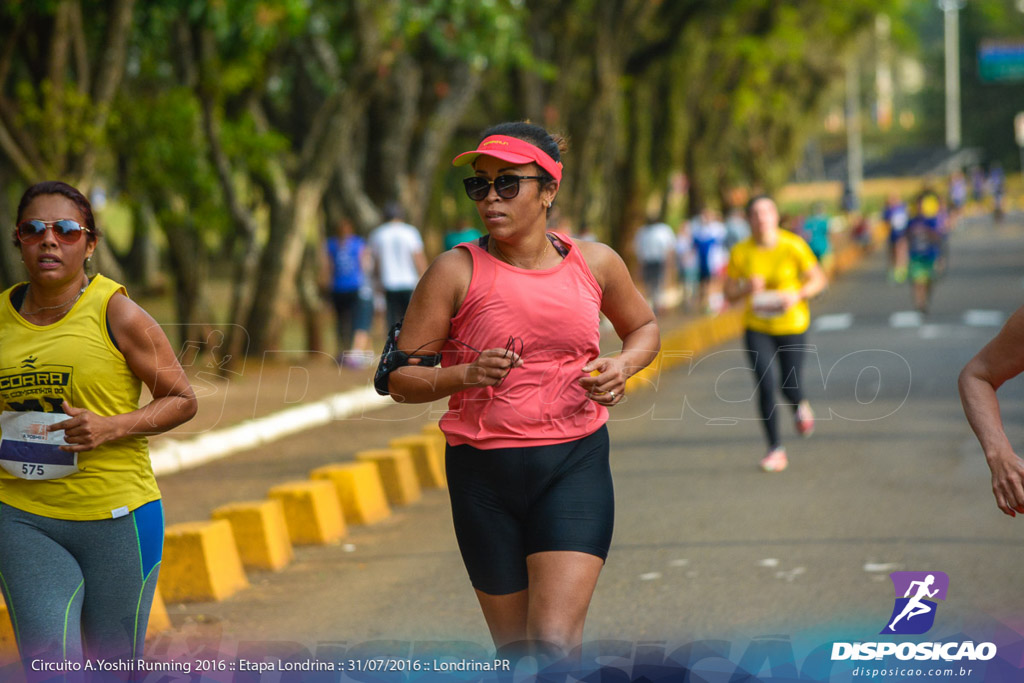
(65, 230)
(507, 186)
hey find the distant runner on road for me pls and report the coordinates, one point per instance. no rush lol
(775, 272)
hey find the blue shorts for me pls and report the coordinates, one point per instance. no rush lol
(508, 503)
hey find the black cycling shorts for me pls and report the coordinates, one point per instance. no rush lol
(508, 503)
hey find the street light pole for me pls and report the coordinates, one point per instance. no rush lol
(951, 9)
(854, 142)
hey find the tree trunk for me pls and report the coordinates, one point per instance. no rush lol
(190, 269)
(290, 229)
(244, 235)
(309, 300)
(357, 202)
(109, 70)
(10, 255)
(464, 84)
(141, 264)
(394, 124)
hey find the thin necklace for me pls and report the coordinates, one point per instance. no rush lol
(507, 260)
(67, 303)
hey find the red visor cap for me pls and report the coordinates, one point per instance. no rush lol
(513, 150)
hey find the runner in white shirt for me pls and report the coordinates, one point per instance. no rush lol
(399, 261)
(654, 244)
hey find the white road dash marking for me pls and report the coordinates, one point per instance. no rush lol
(791, 574)
(905, 319)
(934, 331)
(982, 318)
(833, 322)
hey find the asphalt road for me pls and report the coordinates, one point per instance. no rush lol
(706, 545)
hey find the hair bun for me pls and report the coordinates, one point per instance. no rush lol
(562, 141)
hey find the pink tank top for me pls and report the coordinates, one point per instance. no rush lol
(556, 313)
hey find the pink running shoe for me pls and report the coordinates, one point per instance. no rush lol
(804, 419)
(775, 461)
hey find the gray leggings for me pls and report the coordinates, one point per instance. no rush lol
(78, 589)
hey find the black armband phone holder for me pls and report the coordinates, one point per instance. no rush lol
(391, 359)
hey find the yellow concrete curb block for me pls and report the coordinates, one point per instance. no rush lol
(260, 532)
(200, 562)
(158, 619)
(359, 490)
(686, 343)
(848, 257)
(312, 511)
(397, 473)
(648, 377)
(8, 643)
(429, 463)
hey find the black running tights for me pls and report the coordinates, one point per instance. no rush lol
(786, 352)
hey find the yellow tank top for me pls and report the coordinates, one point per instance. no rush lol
(74, 359)
(783, 267)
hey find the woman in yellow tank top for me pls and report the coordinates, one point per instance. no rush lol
(81, 524)
(775, 272)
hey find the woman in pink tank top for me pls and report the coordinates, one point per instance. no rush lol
(514, 318)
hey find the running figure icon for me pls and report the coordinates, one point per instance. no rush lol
(916, 594)
(915, 606)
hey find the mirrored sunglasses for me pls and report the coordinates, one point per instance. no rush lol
(66, 230)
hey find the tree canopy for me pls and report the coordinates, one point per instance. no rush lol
(235, 130)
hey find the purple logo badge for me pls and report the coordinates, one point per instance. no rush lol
(916, 593)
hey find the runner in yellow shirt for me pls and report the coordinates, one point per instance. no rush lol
(775, 272)
(81, 522)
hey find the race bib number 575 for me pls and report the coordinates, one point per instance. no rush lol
(28, 451)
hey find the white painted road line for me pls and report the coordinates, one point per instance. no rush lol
(905, 319)
(983, 318)
(833, 322)
(934, 331)
(173, 455)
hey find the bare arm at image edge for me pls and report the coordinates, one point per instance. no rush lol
(1000, 360)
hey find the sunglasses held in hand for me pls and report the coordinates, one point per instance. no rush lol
(507, 186)
(515, 346)
(66, 230)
